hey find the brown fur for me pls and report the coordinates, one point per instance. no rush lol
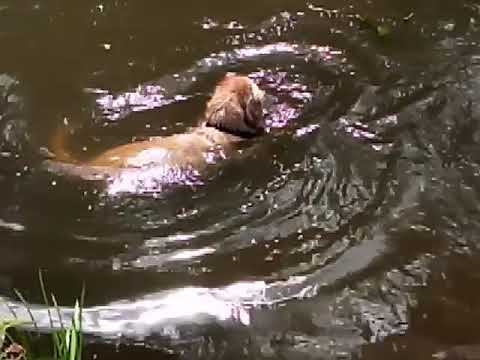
(234, 112)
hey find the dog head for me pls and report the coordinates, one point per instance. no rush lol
(237, 107)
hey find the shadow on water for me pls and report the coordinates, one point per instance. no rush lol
(350, 230)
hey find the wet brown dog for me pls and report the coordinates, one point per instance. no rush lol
(234, 112)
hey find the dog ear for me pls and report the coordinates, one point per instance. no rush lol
(228, 115)
(236, 106)
(254, 113)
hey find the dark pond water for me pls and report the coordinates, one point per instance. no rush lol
(350, 230)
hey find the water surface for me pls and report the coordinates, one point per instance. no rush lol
(350, 230)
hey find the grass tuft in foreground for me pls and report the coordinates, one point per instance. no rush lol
(64, 342)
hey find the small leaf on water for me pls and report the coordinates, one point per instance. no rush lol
(408, 17)
(365, 21)
(383, 30)
(449, 26)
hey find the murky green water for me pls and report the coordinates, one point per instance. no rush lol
(351, 230)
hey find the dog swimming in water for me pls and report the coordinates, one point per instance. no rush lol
(234, 113)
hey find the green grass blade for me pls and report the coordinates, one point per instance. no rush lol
(45, 298)
(59, 313)
(4, 326)
(74, 331)
(80, 323)
(27, 306)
